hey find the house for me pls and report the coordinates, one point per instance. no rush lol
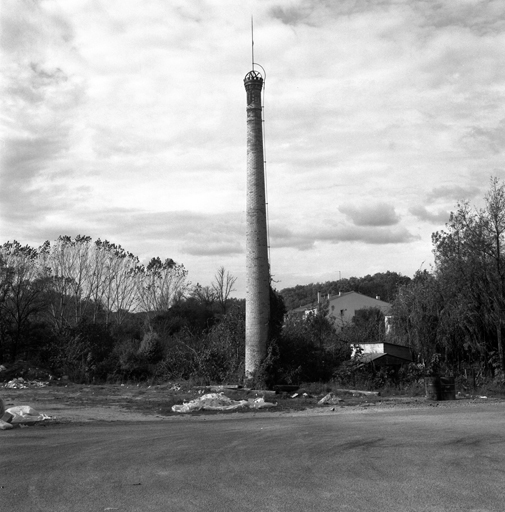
(382, 353)
(343, 306)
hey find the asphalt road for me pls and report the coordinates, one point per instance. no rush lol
(431, 459)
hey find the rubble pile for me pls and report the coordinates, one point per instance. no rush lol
(330, 399)
(21, 383)
(24, 370)
(220, 402)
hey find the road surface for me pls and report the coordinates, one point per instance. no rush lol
(431, 459)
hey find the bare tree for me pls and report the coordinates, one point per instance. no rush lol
(22, 289)
(205, 295)
(223, 287)
(160, 284)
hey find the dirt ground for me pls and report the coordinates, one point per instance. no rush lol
(88, 403)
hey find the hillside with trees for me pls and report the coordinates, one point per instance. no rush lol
(385, 285)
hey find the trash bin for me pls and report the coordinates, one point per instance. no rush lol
(432, 387)
(447, 388)
(440, 388)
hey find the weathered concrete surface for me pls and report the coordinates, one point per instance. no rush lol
(432, 459)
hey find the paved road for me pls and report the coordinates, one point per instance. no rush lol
(432, 459)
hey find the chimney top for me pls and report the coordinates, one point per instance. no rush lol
(253, 76)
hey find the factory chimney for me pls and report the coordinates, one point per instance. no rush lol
(258, 270)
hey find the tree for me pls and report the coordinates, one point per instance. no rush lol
(222, 287)
(417, 315)
(22, 291)
(116, 270)
(160, 285)
(308, 349)
(366, 325)
(205, 295)
(469, 256)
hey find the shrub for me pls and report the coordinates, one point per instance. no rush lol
(81, 351)
(150, 348)
(307, 350)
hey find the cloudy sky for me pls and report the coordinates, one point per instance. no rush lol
(125, 120)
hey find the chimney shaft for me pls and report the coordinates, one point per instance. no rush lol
(258, 271)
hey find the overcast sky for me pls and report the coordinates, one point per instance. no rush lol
(125, 120)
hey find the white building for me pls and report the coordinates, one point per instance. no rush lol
(343, 307)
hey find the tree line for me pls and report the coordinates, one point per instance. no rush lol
(91, 310)
(382, 284)
(75, 279)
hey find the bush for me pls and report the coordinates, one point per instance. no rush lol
(150, 348)
(80, 352)
(127, 363)
(307, 350)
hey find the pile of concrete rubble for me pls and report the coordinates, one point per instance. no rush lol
(23, 375)
(220, 402)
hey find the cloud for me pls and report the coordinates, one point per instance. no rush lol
(485, 139)
(442, 216)
(452, 192)
(185, 232)
(130, 124)
(40, 102)
(282, 237)
(367, 235)
(378, 214)
(213, 248)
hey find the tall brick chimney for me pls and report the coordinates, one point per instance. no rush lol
(258, 271)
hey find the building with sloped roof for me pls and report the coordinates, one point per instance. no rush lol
(381, 353)
(343, 306)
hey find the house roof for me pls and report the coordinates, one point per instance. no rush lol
(369, 357)
(341, 295)
(344, 294)
(302, 309)
(385, 343)
(381, 357)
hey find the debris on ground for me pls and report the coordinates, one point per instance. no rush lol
(24, 415)
(18, 383)
(259, 403)
(25, 370)
(357, 392)
(330, 399)
(218, 388)
(301, 395)
(220, 402)
(262, 392)
(19, 415)
(21, 383)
